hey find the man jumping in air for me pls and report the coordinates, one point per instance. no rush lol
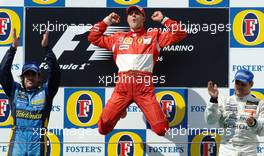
(135, 53)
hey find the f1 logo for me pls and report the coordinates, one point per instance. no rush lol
(3, 25)
(84, 107)
(208, 148)
(167, 106)
(3, 103)
(250, 26)
(125, 147)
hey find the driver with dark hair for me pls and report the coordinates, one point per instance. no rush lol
(30, 102)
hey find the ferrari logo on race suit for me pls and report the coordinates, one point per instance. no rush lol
(139, 40)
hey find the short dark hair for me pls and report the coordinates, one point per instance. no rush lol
(40, 76)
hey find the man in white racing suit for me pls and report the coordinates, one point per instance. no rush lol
(242, 116)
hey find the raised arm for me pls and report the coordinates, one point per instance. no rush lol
(6, 78)
(54, 75)
(175, 33)
(213, 109)
(97, 37)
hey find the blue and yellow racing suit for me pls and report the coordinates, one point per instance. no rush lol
(30, 109)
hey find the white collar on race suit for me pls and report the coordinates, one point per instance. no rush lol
(243, 99)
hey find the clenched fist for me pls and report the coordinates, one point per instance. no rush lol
(157, 16)
(112, 18)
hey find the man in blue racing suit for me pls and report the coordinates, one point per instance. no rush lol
(30, 101)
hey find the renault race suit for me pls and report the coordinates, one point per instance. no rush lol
(29, 109)
(231, 113)
(135, 54)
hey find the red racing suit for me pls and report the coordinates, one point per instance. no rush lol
(135, 54)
